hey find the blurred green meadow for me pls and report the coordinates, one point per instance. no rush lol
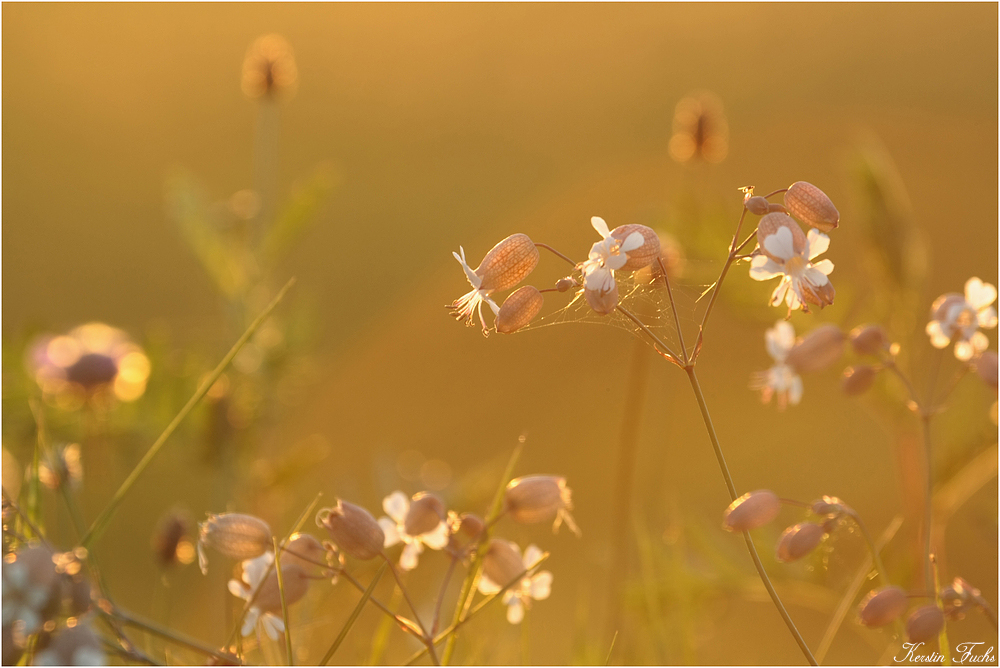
(418, 128)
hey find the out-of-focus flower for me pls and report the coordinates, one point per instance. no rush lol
(700, 129)
(269, 68)
(235, 535)
(91, 359)
(61, 466)
(75, 645)
(985, 367)
(956, 317)
(540, 498)
(415, 524)
(869, 339)
(959, 597)
(799, 540)
(502, 564)
(924, 623)
(788, 253)
(858, 379)
(883, 606)
(29, 583)
(817, 350)
(170, 541)
(751, 511)
(266, 608)
(353, 529)
(507, 264)
(605, 257)
(780, 379)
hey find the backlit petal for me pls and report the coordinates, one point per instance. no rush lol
(633, 241)
(779, 244)
(824, 266)
(600, 226)
(987, 318)
(818, 243)
(763, 268)
(541, 586)
(390, 531)
(408, 559)
(515, 611)
(487, 586)
(396, 505)
(979, 294)
(437, 538)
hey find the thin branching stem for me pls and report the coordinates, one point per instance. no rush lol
(554, 251)
(925, 424)
(130, 619)
(284, 602)
(365, 597)
(444, 588)
(426, 637)
(673, 308)
(658, 343)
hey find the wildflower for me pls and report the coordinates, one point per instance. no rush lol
(92, 359)
(266, 595)
(538, 498)
(781, 378)
(858, 379)
(956, 317)
(958, 597)
(799, 540)
(519, 309)
(236, 536)
(700, 129)
(924, 623)
(869, 339)
(465, 528)
(788, 253)
(61, 467)
(353, 529)
(882, 606)
(75, 645)
(605, 257)
(506, 265)
(502, 565)
(29, 582)
(269, 67)
(811, 205)
(751, 511)
(645, 254)
(415, 524)
(817, 350)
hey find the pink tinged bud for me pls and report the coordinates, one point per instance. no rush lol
(519, 309)
(353, 529)
(425, 514)
(236, 536)
(829, 506)
(882, 606)
(811, 205)
(566, 283)
(770, 224)
(603, 303)
(540, 498)
(757, 205)
(924, 624)
(305, 551)
(799, 540)
(858, 379)
(508, 263)
(817, 350)
(869, 339)
(751, 511)
(644, 255)
(502, 563)
(986, 367)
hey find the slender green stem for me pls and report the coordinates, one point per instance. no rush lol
(673, 309)
(733, 250)
(284, 602)
(872, 547)
(441, 593)
(100, 524)
(354, 615)
(925, 424)
(130, 619)
(427, 638)
(554, 251)
(943, 647)
(707, 417)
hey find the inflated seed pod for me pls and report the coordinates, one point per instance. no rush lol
(858, 379)
(502, 562)
(602, 302)
(425, 514)
(235, 535)
(869, 339)
(799, 540)
(882, 606)
(817, 350)
(924, 623)
(770, 224)
(645, 254)
(519, 309)
(757, 205)
(353, 529)
(751, 511)
(508, 263)
(811, 205)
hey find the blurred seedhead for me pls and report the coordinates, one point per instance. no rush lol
(700, 129)
(269, 68)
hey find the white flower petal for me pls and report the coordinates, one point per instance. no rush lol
(469, 274)
(815, 276)
(437, 538)
(615, 261)
(938, 338)
(987, 318)
(390, 531)
(779, 340)
(979, 294)
(396, 505)
(779, 292)
(255, 569)
(633, 241)
(795, 390)
(780, 244)
(979, 342)
(273, 625)
(763, 268)
(487, 587)
(249, 621)
(515, 611)
(600, 226)
(824, 266)
(237, 589)
(408, 559)
(964, 351)
(818, 243)
(532, 553)
(541, 586)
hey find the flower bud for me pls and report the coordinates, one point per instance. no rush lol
(858, 379)
(882, 606)
(925, 623)
(426, 512)
(869, 339)
(502, 563)
(508, 263)
(770, 224)
(236, 536)
(519, 309)
(756, 205)
(986, 366)
(469, 525)
(353, 529)
(799, 540)
(645, 254)
(811, 205)
(566, 283)
(752, 510)
(602, 302)
(539, 498)
(817, 350)
(305, 551)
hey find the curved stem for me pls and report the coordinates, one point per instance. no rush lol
(554, 251)
(658, 343)
(427, 638)
(925, 424)
(707, 417)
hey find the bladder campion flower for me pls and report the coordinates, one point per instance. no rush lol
(788, 253)
(817, 350)
(751, 511)
(269, 67)
(501, 566)
(956, 317)
(605, 257)
(882, 606)
(799, 540)
(539, 498)
(353, 529)
(266, 608)
(415, 524)
(237, 536)
(924, 623)
(519, 309)
(780, 379)
(507, 264)
(811, 205)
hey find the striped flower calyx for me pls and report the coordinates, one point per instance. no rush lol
(539, 498)
(353, 529)
(237, 536)
(811, 205)
(507, 264)
(519, 309)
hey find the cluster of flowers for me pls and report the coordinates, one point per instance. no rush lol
(879, 607)
(47, 595)
(419, 522)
